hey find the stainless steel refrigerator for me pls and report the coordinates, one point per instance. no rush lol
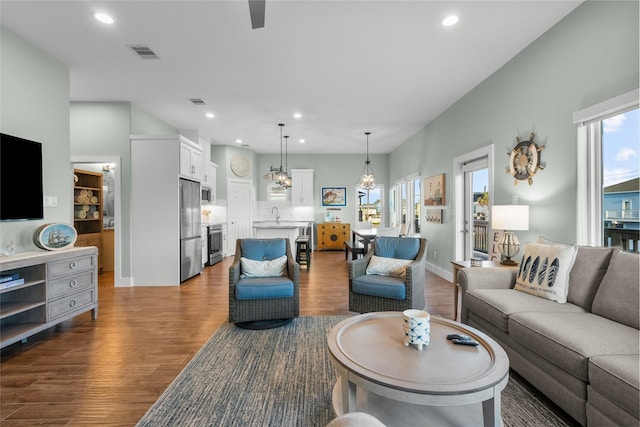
(190, 223)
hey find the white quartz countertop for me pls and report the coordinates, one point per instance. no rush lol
(280, 224)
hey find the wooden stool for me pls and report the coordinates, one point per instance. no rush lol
(303, 246)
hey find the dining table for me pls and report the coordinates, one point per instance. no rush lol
(364, 235)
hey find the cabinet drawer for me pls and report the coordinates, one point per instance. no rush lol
(59, 268)
(65, 285)
(70, 303)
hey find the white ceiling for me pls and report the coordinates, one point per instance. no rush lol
(387, 67)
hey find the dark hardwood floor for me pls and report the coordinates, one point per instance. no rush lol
(108, 372)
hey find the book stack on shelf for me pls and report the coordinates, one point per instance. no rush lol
(10, 280)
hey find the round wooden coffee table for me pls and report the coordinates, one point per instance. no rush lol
(398, 383)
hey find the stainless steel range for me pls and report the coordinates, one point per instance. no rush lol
(214, 244)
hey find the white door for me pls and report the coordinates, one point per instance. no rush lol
(238, 212)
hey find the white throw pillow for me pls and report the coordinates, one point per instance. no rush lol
(387, 266)
(271, 268)
(544, 270)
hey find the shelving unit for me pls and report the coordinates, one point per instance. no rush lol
(87, 210)
(57, 286)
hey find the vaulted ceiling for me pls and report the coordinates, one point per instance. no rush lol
(388, 67)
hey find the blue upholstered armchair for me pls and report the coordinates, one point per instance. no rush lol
(390, 277)
(264, 284)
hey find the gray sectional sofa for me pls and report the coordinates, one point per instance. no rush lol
(582, 354)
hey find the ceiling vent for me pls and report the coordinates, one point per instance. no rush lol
(143, 52)
(197, 101)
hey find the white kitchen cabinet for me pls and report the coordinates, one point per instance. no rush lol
(212, 175)
(191, 158)
(302, 187)
(206, 163)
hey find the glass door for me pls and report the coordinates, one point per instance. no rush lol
(476, 209)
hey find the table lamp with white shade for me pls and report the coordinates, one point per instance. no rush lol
(509, 218)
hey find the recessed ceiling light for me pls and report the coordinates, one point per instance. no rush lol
(104, 18)
(210, 115)
(297, 115)
(238, 141)
(302, 141)
(450, 20)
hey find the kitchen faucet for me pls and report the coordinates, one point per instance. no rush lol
(277, 213)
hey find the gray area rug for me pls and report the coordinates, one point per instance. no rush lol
(283, 377)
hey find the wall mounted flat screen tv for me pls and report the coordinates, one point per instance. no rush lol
(21, 194)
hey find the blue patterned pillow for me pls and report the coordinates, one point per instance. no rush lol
(270, 268)
(544, 270)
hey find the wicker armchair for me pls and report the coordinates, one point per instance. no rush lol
(263, 302)
(369, 293)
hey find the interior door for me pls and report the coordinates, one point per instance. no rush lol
(238, 212)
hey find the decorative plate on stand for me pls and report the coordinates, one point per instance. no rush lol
(55, 236)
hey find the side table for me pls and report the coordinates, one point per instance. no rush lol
(457, 266)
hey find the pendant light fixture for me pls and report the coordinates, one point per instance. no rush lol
(281, 174)
(367, 180)
(275, 174)
(287, 180)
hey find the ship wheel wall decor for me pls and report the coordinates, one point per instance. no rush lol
(524, 160)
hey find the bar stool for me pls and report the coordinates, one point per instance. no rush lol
(303, 245)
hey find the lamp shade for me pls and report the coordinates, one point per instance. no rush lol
(510, 217)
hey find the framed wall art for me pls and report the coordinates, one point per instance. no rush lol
(334, 196)
(434, 190)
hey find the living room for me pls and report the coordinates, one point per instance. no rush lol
(587, 58)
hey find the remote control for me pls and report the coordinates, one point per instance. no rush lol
(465, 342)
(458, 337)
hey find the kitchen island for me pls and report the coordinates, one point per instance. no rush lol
(284, 229)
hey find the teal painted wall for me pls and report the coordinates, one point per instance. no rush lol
(34, 104)
(589, 56)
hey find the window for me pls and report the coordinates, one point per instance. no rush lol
(406, 195)
(608, 150)
(370, 205)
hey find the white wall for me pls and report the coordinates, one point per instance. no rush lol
(34, 104)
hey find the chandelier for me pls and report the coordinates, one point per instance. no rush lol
(277, 174)
(367, 179)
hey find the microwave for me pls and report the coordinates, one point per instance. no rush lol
(207, 195)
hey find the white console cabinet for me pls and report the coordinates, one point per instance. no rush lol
(57, 286)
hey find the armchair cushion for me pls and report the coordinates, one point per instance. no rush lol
(269, 268)
(264, 288)
(263, 249)
(391, 247)
(387, 266)
(380, 286)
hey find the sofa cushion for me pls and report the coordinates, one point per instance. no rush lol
(379, 286)
(544, 270)
(387, 266)
(568, 340)
(264, 288)
(496, 305)
(618, 295)
(263, 249)
(617, 378)
(270, 268)
(397, 247)
(587, 273)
